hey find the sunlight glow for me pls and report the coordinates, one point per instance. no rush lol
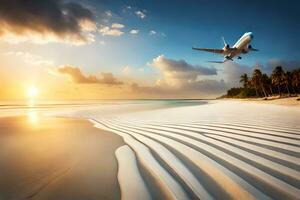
(32, 92)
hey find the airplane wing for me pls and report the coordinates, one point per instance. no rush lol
(220, 62)
(220, 51)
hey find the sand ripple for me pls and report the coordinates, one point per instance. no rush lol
(213, 151)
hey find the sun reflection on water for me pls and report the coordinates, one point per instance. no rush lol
(32, 116)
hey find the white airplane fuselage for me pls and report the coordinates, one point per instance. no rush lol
(241, 46)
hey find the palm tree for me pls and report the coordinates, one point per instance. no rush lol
(288, 81)
(278, 77)
(257, 81)
(254, 83)
(296, 80)
(266, 83)
(270, 85)
(245, 80)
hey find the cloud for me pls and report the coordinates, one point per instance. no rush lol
(141, 14)
(29, 58)
(287, 65)
(163, 35)
(134, 31)
(114, 30)
(126, 8)
(77, 76)
(108, 13)
(152, 32)
(177, 72)
(197, 89)
(45, 21)
(232, 72)
(181, 80)
(127, 70)
(117, 26)
(178, 79)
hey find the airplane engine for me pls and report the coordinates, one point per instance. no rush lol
(247, 49)
(226, 47)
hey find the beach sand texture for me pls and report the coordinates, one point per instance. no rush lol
(216, 150)
(219, 150)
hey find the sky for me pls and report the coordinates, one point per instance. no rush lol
(93, 49)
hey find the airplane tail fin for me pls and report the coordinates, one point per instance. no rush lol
(225, 43)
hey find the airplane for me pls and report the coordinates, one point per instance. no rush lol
(242, 46)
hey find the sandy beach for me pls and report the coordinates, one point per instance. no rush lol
(218, 149)
(287, 101)
(57, 158)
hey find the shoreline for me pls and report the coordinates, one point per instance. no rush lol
(284, 101)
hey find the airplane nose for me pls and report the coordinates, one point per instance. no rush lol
(251, 35)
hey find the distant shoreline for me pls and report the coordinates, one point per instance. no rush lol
(284, 101)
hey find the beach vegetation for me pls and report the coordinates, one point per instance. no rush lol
(279, 83)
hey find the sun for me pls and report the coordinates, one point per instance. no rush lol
(32, 92)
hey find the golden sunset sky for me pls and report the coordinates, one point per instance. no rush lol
(119, 50)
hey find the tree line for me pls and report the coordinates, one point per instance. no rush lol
(280, 82)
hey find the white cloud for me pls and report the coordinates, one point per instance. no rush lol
(117, 26)
(127, 70)
(233, 71)
(181, 80)
(134, 31)
(126, 9)
(90, 37)
(140, 14)
(88, 26)
(152, 32)
(108, 13)
(179, 72)
(106, 30)
(30, 58)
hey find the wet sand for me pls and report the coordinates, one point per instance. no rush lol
(57, 158)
